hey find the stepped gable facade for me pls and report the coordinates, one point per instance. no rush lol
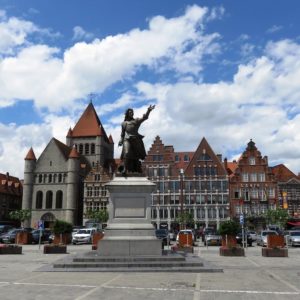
(193, 182)
(253, 186)
(54, 183)
(288, 188)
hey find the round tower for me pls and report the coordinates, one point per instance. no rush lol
(30, 163)
(72, 185)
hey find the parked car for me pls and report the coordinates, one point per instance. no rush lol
(76, 229)
(207, 230)
(185, 232)
(45, 234)
(162, 234)
(247, 236)
(293, 238)
(212, 240)
(5, 228)
(10, 236)
(83, 236)
(253, 235)
(262, 237)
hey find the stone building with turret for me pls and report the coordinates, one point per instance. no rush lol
(54, 182)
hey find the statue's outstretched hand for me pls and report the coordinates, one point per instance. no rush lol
(151, 107)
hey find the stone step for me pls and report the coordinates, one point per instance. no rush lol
(129, 259)
(139, 269)
(127, 264)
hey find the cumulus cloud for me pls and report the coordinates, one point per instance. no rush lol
(92, 67)
(260, 101)
(79, 34)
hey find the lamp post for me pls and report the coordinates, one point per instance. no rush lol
(181, 199)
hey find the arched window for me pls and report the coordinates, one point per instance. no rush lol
(50, 178)
(59, 177)
(49, 198)
(92, 148)
(40, 178)
(87, 148)
(39, 200)
(59, 199)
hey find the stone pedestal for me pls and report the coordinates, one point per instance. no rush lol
(129, 231)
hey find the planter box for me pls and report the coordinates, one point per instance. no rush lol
(11, 250)
(185, 240)
(185, 249)
(55, 249)
(24, 238)
(65, 238)
(235, 251)
(274, 252)
(95, 239)
(229, 241)
(275, 241)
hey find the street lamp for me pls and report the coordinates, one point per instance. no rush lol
(181, 199)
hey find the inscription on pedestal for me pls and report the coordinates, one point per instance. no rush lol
(131, 207)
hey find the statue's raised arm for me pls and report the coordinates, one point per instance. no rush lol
(133, 146)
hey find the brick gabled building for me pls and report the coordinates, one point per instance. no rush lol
(253, 186)
(288, 188)
(10, 195)
(194, 182)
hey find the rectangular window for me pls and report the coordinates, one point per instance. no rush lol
(261, 177)
(252, 161)
(253, 177)
(245, 177)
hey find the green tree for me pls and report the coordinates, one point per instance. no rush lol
(277, 216)
(185, 219)
(61, 227)
(229, 227)
(21, 215)
(98, 216)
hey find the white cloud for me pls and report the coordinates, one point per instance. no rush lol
(79, 34)
(274, 28)
(260, 102)
(257, 104)
(13, 33)
(87, 68)
(15, 148)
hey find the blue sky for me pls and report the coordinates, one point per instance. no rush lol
(225, 70)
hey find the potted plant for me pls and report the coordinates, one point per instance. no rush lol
(22, 215)
(228, 230)
(62, 231)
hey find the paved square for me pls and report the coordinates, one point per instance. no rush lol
(250, 277)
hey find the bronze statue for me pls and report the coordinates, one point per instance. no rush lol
(132, 142)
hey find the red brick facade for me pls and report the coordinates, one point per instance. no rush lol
(253, 186)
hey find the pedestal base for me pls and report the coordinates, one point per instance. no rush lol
(129, 231)
(140, 247)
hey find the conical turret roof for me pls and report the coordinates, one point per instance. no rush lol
(89, 124)
(30, 155)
